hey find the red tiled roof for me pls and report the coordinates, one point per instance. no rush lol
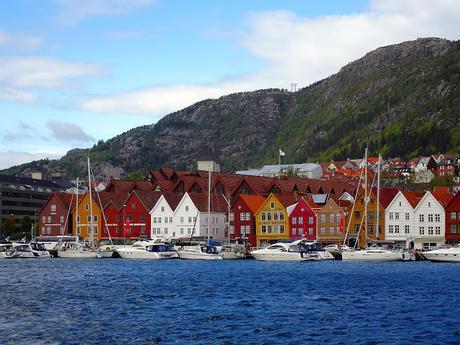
(413, 197)
(148, 198)
(387, 195)
(218, 204)
(173, 200)
(287, 199)
(442, 197)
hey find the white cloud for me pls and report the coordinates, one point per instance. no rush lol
(17, 95)
(298, 50)
(73, 11)
(12, 158)
(42, 72)
(29, 42)
(68, 132)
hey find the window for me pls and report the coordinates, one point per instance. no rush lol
(49, 219)
(331, 218)
(390, 215)
(248, 216)
(272, 205)
(269, 216)
(53, 207)
(371, 229)
(407, 216)
(430, 230)
(263, 216)
(453, 228)
(294, 220)
(94, 218)
(397, 215)
(294, 231)
(438, 230)
(159, 219)
(323, 218)
(264, 229)
(189, 231)
(370, 215)
(310, 220)
(396, 229)
(281, 216)
(269, 229)
(241, 216)
(78, 219)
(437, 217)
(421, 230)
(154, 219)
(44, 219)
(170, 219)
(430, 218)
(300, 220)
(310, 231)
(194, 219)
(331, 231)
(275, 229)
(275, 215)
(189, 219)
(248, 229)
(406, 229)
(390, 229)
(133, 205)
(181, 219)
(242, 229)
(232, 229)
(281, 229)
(421, 218)
(88, 218)
(358, 215)
(61, 219)
(186, 208)
(162, 208)
(232, 216)
(166, 231)
(166, 220)
(86, 207)
(453, 215)
(323, 231)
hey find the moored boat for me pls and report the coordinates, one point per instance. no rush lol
(28, 251)
(451, 254)
(283, 252)
(199, 252)
(152, 249)
(372, 254)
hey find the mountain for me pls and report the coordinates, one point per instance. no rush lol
(402, 99)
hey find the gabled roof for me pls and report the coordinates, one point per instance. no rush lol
(218, 203)
(252, 201)
(172, 200)
(286, 199)
(442, 197)
(147, 198)
(413, 197)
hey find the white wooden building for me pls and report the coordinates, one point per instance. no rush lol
(429, 223)
(162, 217)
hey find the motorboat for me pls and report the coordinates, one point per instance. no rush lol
(372, 254)
(53, 242)
(281, 251)
(153, 249)
(446, 254)
(5, 248)
(199, 252)
(77, 250)
(27, 251)
(233, 252)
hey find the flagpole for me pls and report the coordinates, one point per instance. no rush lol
(279, 164)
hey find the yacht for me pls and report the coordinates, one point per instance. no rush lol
(233, 252)
(27, 251)
(5, 248)
(372, 254)
(200, 252)
(76, 250)
(153, 249)
(283, 252)
(450, 254)
(53, 242)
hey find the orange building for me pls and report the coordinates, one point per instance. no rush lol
(356, 222)
(82, 219)
(328, 222)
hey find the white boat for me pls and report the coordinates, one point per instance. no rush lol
(53, 242)
(152, 249)
(199, 252)
(451, 254)
(5, 248)
(233, 252)
(372, 254)
(282, 252)
(77, 250)
(28, 251)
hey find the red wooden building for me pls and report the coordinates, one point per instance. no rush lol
(453, 220)
(54, 217)
(302, 220)
(242, 220)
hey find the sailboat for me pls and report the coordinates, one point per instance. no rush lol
(202, 252)
(77, 249)
(370, 253)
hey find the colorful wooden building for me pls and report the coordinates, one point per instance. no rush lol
(302, 219)
(55, 217)
(242, 218)
(453, 220)
(82, 222)
(331, 223)
(272, 220)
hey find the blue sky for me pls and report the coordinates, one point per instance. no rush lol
(77, 71)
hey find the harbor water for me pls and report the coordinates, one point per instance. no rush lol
(61, 301)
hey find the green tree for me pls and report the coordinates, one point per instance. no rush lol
(135, 176)
(26, 224)
(8, 226)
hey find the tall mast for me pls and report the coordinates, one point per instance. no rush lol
(209, 200)
(91, 235)
(366, 198)
(77, 220)
(377, 213)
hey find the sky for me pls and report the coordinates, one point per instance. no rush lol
(73, 72)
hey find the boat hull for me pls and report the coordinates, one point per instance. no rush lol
(76, 254)
(188, 255)
(443, 255)
(369, 256)
(139, 254)
(281, 257)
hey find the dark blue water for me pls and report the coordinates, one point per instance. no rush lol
(118, 301)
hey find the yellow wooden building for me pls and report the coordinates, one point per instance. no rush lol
(82, 222)
(272, 221)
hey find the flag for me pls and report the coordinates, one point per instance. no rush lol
(341, 221)
(282, 153)
(127, 227)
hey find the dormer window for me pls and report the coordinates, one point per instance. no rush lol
(272, 205)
